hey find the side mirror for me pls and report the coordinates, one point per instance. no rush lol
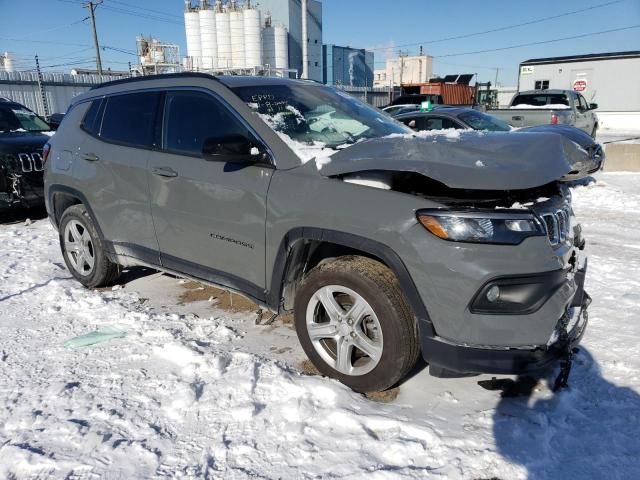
(593, 106)
(232, 148)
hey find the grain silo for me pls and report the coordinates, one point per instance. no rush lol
(275, 45)
(208, 38)
(281, 46)
(236, 21)
(192, 29)
(252, 36)
(223, 34)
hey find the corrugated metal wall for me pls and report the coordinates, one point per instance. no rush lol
(378, 97)
(59, 88)
(611, 83)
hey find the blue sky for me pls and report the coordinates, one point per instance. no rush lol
(55, 30)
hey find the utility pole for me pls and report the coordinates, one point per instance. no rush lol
(305, 42)
(92, 8)
(43, 95)
(402, 55)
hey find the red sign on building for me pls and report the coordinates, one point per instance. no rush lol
(579, 85)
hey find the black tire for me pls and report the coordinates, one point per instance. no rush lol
(594, 132)
(104, 272)
(379, 287)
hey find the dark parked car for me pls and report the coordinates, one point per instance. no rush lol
(417, 99)
(22, 138)
(54, 120)
(453, 117)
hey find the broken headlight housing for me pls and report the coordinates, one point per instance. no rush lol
(506, 227)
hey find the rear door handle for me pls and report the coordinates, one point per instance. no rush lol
(164, 172)
(90, 157)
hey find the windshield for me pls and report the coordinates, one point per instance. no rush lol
(482, 121)
(312, 114)
(20, 119)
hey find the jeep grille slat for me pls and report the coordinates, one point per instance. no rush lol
(558, 225)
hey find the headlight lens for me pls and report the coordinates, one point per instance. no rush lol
(502, 227)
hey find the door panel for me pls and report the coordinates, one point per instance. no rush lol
(209, 215)
(114, 175)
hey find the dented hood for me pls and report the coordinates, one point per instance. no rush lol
(473, 160)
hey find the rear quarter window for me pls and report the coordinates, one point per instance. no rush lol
(91, 121)
(129, 119)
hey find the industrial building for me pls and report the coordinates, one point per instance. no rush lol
(404, 70)
(242, 37)
(156, 57)
(347, 66)
(289, 14)
(6, 63)
(609, 79)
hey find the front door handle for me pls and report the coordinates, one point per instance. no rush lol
(164, 172)
(90, 157)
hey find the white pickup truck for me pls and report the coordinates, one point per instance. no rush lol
(540, 107)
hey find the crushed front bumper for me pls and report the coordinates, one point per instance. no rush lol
(473, 359)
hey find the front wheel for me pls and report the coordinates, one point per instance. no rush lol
(355, 325)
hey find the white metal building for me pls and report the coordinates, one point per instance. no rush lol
(611, 80)
(403, 70)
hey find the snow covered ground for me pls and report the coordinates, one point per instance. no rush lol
(194, 392)
(618, 136)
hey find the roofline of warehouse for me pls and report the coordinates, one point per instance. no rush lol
(583, 58)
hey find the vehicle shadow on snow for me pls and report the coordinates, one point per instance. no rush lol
(19, 215)
(589, 430)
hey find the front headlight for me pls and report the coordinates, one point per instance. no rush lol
(508, 227)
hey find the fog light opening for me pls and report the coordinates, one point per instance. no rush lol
(493, 294)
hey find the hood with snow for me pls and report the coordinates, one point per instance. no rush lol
(514, 160)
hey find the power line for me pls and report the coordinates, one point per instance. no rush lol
(59, 27)
(501, 29)
(158, 12)
(146, 16)
(543, 42)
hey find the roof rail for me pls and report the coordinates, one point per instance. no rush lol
(155, 77)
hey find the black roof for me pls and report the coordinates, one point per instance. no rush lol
(444, 110)
(581, 58)
(229, 80)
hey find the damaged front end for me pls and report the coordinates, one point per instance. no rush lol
(21, 179)
(502, 203)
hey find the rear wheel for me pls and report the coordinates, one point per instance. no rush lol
(355, 325)
(83, 251)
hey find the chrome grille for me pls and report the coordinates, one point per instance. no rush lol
(558, 225)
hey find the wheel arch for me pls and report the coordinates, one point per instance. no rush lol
(303, 248)
(61, 197)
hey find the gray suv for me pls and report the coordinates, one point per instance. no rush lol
(384, 244)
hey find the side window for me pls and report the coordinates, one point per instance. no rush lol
(91, 121)
(130, 119)
(414, 123)
(583, 103)
(448, 123)
(576, 103)
(192, 117)
(439, 123)
(541, 85)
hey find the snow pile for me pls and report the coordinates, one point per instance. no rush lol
(181, 397)
(453, 134)
(551, 106)
(305, 151)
